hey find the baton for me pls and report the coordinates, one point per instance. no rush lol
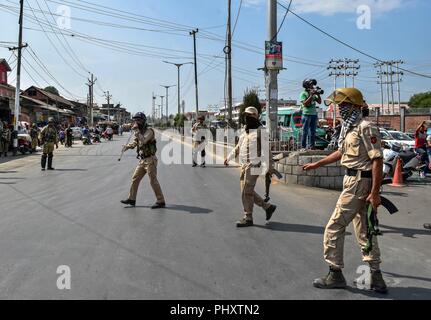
(122, 150)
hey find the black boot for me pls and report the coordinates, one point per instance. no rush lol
(129, 202)
(194, 164)
(158, 205)
(377, 282)
(203, 164)
(244, 222)
(334, 280)
(270, 211)
(50, 162)
(43, 161)
(427, 226)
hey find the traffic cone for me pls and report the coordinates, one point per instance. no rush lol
(397, 181)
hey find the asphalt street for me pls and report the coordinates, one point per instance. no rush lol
(191, 249)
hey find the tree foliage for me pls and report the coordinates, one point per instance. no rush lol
(421, 100)
(251, 99)
(52, 90)
(179, 120)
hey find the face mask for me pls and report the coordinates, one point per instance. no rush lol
(251, 123)
(345, 111)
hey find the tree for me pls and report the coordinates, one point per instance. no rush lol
(179, 120)
(251, 99)
(421, 100)
(52, 90)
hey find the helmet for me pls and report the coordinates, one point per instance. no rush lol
(429, 138)
(308, 83)
(34, 125)
(50, 119)
(346, 95)
(252, 111)
(140, 116)
(201, 118)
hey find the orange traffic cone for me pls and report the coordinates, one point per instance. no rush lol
(397, 181)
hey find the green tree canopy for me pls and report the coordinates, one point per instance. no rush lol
(179, 120)
(251, 99)
(52, 90)
(421, 100)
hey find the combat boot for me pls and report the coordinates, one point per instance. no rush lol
(203, 165)
(158, 205)
(377, 282)
(427, 226)
(129, 202)
(334, 280)
(270, 211)
(50, 163)
(43, 162)
(244, 222)
(194, 164)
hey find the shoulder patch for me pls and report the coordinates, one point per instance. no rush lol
(374, 140)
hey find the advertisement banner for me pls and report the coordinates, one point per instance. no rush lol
(274, 55)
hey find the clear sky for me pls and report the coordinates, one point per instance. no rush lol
(153, 31)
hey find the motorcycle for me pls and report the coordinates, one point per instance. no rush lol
(24, 143)
(410, 160)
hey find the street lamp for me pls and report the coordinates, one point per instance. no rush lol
(167, 101)
(178, 65)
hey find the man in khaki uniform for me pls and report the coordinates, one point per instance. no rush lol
(199, 141)
(360, 153)
(5, 136)
(34, 134)
(249, 140)
(145, 142)
(49, 139)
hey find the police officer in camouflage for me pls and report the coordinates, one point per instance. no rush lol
(361, 155)
(145, 142)
(49, 139)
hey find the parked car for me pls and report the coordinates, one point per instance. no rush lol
(77, 132)
(387, 136)
(402, 138)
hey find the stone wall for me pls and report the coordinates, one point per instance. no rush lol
(328, 177)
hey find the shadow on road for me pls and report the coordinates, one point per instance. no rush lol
(299, 228)
(175, 207)
(407, 293)
(12, 178)
(8, 172)
(407, 277)
(393, 193)
(8, 183)
(405, 232)
(67, 170)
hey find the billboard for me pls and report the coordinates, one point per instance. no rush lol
(274, 55)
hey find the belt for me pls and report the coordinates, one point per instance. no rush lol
(353, 173)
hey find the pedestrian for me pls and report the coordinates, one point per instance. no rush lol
(309, 99)
(421, 147)
(120, 130)
(62, 136)
(249, 141)
(146, 144)
(34, 133)
(49, 138)
(69, 136)
(5, 136)
(360, 153)
(199, 141)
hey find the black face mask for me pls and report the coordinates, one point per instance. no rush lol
(251, 123)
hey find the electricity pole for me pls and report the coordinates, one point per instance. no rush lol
(18, 69)
(178, 65)
(272, 75)
(90, 85)
(193, 33)
(167, 101)
(334, 66)
(108, 99)
(228, 51)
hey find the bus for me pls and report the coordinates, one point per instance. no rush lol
(290, 126)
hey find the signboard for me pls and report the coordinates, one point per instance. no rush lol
(274, 55)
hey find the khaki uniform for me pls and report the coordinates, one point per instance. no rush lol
(147, 164)
(197, 142)
(34, 139)
(361, 146)
(49, 138)
(247, 148)
(5, 136)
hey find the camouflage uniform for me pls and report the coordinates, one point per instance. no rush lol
(49, 139)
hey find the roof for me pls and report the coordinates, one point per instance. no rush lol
(4, 62)
(52, 96)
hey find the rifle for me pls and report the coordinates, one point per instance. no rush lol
(373, 222)
(268, 178)
(122, 150)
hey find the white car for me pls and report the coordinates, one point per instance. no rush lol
(391, 136)
(77, 132)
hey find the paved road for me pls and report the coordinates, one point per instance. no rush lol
(191, 249)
